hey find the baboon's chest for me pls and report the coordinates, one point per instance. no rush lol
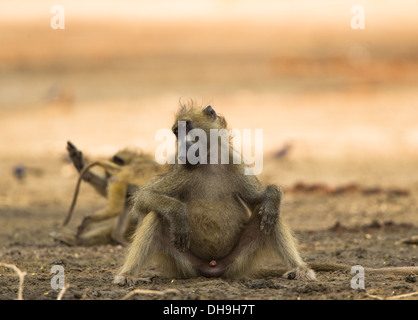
(211, 186)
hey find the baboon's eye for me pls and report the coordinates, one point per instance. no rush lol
(118, 160)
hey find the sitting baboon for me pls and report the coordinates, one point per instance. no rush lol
(124, 172)
(209, 219)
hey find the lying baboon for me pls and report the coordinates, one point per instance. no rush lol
(209, 219)
(124, 172)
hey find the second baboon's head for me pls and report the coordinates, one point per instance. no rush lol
(124, 157)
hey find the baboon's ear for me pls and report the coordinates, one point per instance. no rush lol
(210, 112)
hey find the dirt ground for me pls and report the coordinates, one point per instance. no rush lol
(360, 226)
(344, 102)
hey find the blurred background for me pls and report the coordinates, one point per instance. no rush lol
(296, 69)
(338, 107)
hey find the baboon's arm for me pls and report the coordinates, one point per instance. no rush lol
(98, 182)
(264, 201)
(160, 197)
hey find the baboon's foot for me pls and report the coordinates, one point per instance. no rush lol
(300, 273)
(67, 239)
(123, 280)
(76, 156)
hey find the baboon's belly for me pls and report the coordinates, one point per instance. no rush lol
(215, 227)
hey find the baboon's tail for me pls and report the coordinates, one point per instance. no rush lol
(107, 165)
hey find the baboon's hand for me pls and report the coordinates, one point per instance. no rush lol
(270, 214)
(76, 156)
(181, 229)
(181, 238)
(179, 225)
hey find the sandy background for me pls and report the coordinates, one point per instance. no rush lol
(344, 100)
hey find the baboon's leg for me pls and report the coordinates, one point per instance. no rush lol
(96, 236)
(126, 223)
(98, 182)
(115, 206)
(126, 226)
(284, 244)
(119, 233)
(248, 250)
(152, 238)
(76, 156)
(68, 239)
(254, 243)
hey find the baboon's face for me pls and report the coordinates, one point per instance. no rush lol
(124, 157)
(193, 118)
